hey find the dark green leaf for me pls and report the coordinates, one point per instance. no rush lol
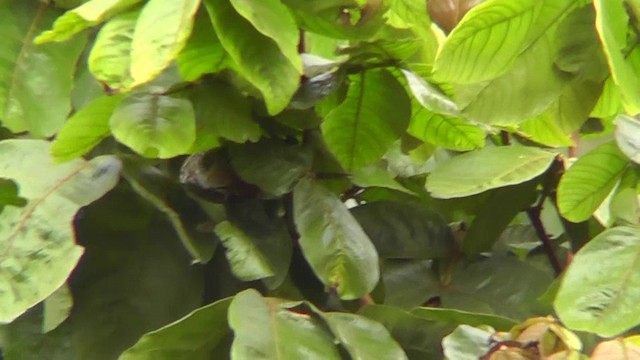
(408, 283)
(9, 194)
(458, 317)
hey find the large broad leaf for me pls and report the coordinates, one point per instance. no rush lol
(364, 338)
(85, 129)
(110, 57)
(493, 35)
(628, 137)
(156, 43)
(375, 113)
(600, 290)
(37, 248)
(154, 125)
(203, 53)
(35, 81)
(265, 329)
(544, 129)
(194, 337)
(587, 183)
(272, 165)
(489, 168)
(406, 284)
(258, 58)
(447, 131)
(612, 23)
(405, 230)
(339, 251)
(91, 13)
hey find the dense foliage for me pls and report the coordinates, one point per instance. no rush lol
(319, 179)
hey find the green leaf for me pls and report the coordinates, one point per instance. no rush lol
(35, 81)
(412, 12)
(459, 317)
(544, 129)
(586, 184)
(154, 125)
(85, 129)
(156, 43)
(338, 250)
(407, 283)
(184, 213)
(37, 247)
(272, 165)
(447, 131)
(57, 307)
(488, 168)
(493, 35)
(376, 176)
(429, 96)
(89, 14)
(599, 291)
(256, 253)
(110, 57)
(628, 137)
(612, 23)
(495, 214)
(194, 337)
(467, 343)
(274, 20)
(258, 58)
(375, 113)
(404, 230)
(363, 338)
(203, 53)
(9, 194)
(265, 329)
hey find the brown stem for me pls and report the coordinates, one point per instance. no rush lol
(534, 216)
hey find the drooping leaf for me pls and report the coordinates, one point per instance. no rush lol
(203, 53)
(363, 338)
(404, 230)
(184, 213)
(588, 182)
(221, 112)
(467, 343)
(612, 25)
(110, 57)
(265, 329)
(338, 250)
(9, 194)
(447, 131)
(85, 129)
(493, 35)
(375, 114)
(89, 14)
(258, 58)
(194, 337)
(496, 214)
(488, 168)
(272, 165)
(37, 245)
(599, 292)
(459, 317)
(628, 137)
(35, 81)
(154, 125)
(156, 43)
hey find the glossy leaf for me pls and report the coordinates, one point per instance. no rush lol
(194, 337)
(85, 129)
(459, 317)
(587, 183)
(374, 115)
(447, 131)
(467, 343)
(404, 230)
(338, 250)
(154, 125)
(265, 328)
(156, 43)
(612, 25)
(489, 168)
(407, 283)
(363, 338)
(274, 166)
(38, 248)
(35, 81)
(627, 137)
(492, 35)
(89, 14)
(600, 295)
(258, 58)
(110, 57)
(429, 96)
(203, 53)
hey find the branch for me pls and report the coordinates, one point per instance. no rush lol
(534, 217)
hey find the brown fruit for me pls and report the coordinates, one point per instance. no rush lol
(448, 13)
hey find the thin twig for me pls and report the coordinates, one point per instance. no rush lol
(534, 217)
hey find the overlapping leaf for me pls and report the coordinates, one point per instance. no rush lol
(628, 137)
(203, 53)
(37, 247)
